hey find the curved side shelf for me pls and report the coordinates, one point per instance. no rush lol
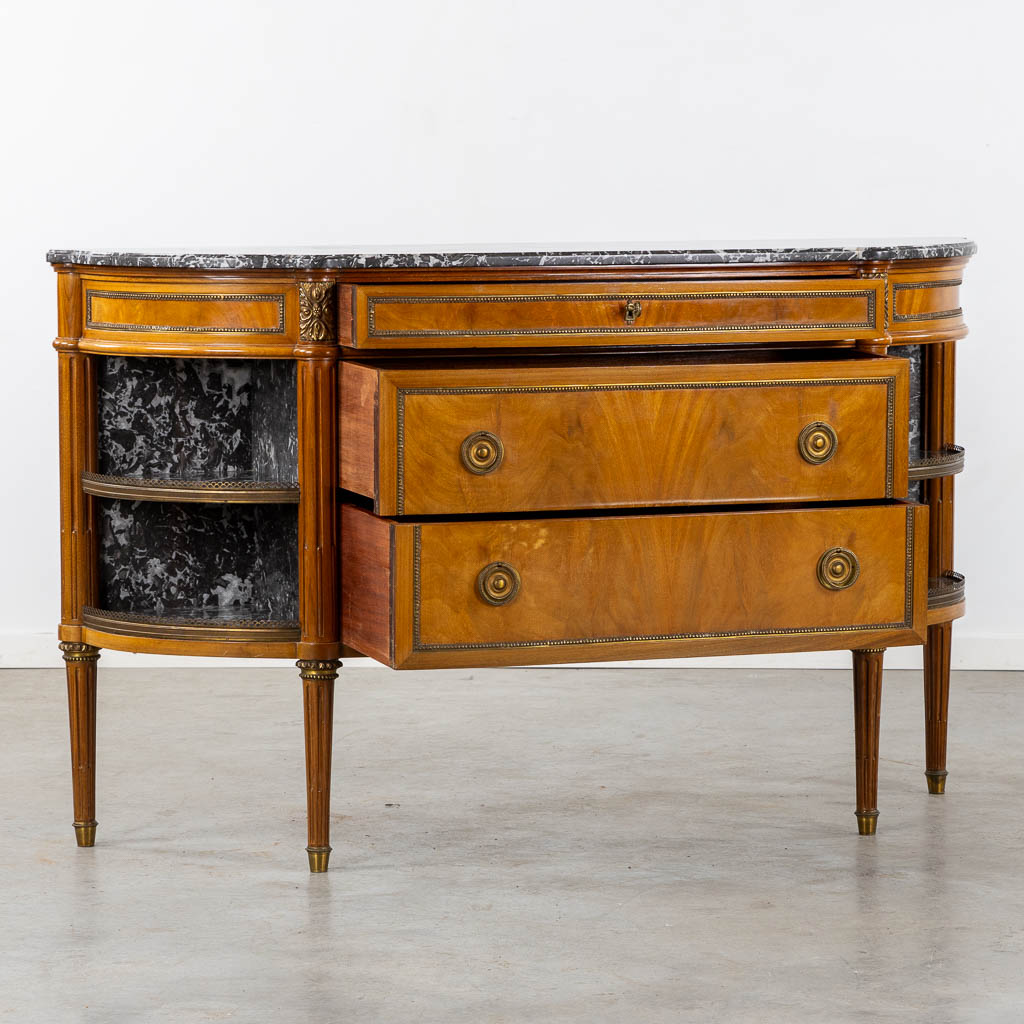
(945, 590)
(137, 488)
(190, 627)
(932, 464)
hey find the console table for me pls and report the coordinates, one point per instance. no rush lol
(509, 458)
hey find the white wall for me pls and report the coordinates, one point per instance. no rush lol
(535, 122)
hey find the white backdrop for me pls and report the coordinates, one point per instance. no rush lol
(532, 122)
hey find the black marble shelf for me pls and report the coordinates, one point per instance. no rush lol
(929, 465)
(439, 257)
(226, 491)
(945, 590)
(240, 623)
(198, 419)
(169, 558)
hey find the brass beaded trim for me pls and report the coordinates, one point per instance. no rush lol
(914, 286)
(319, 670)
(402, 393)
(101, 325)
(942, 314)
(908, 620)
(885, 295)
(908, 555)
(870, 319)
(79, 652)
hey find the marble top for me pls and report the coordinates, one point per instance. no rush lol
(662, 254)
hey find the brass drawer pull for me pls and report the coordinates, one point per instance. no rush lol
(634, 307)
(497, 583)
(817, 443)
(838, 569)
(482, 452)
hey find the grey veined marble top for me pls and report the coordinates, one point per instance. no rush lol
(682, 253)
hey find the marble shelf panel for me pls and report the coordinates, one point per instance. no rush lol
(166, 558)
(198, 419)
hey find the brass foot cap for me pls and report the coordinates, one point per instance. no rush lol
(867, 821)
(318, 858)
(85, 833)
(936, 782)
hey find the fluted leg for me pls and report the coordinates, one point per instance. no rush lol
(80, 665)
(318, 713)
(936, 704)
(867, 707)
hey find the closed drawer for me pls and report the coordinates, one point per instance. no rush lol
(526, 591)
(446, 441)
(616, 312)
(181, 315)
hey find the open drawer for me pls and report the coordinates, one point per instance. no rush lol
(464, 439)
(436, 594)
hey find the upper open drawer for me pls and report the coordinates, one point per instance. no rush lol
(464, 438)
(616, 313)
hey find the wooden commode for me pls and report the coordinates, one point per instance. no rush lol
(509, 458)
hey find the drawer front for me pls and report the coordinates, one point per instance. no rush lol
(616, 312)
(926, 303)
(458, 441)
(177, 316)
(640, 586)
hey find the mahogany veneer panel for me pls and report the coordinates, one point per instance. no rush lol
(595, 436)
(634, 586)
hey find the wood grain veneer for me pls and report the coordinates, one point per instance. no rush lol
(594, 436)
(601, 587)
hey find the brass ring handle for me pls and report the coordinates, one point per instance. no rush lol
(497, 583)
(838, 569)
(817, 443)
(634, 307)
(482, 452)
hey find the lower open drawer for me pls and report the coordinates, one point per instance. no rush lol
(481, 592)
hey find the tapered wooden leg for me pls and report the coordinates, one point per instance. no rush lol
(867, 708)
(936, 704)
(80, 664)
(318, 713)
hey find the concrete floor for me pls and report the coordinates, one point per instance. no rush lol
(519, 846)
